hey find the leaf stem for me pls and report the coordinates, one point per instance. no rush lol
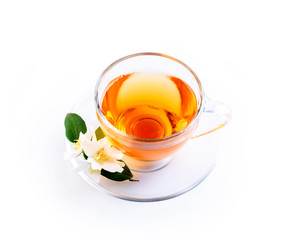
(133, 180)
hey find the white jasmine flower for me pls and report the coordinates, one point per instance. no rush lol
(103, 155)
(78, 148)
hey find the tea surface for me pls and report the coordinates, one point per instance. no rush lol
(149, 105)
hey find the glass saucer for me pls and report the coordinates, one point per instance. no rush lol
(187, 169)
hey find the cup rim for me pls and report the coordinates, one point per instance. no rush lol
(146, 140)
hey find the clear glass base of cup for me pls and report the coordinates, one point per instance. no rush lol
(144, 166)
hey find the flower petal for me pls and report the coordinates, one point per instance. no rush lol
(114, 153)
(111, 151)
(97, 176)
(87, 135)
(107, 144)
(112, 166)
(94, 164)
(91, 148)
(92, 130)
(122, 164)
(72, 154)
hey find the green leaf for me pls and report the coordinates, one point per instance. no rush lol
(99, 133)
(116, 176)
(74, 124)
(85, 155)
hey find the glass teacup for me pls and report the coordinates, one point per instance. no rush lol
(150, 154)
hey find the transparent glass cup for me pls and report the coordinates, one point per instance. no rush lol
(152, 154)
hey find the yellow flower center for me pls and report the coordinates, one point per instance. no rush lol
(77, 145)
(93, 171)
(101, 156)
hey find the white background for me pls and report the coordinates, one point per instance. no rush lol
(51, 51)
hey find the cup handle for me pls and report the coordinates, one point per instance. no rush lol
(215, 115)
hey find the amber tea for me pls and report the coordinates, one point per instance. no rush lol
(149, 105)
